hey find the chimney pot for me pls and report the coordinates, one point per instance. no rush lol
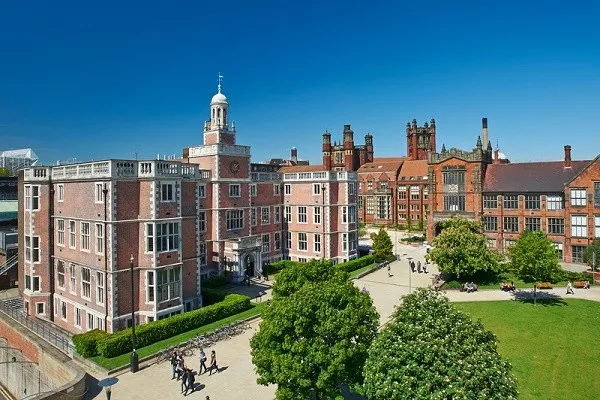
(567, 156)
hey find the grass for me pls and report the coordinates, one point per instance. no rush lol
(354, 274)
(552, 346)
(122, 360)
(488, 280)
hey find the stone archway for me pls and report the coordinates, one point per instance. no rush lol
(249, 265)
(437, 229)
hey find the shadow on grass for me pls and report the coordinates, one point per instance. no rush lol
(542, 298)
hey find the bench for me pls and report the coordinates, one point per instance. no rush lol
(544, 285)
(580, 284)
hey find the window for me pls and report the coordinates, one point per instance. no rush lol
(383, 185)
(344, 242)
(277, 216)
(99, 192)
(72, 233)
(289, 239)
(167, 283)
(253, 217)
(266, 243)
(317, 215)
(28, 282)
(454, 190)
(99, 238)
(578, 197)
(511, 201)
(302, 215)
(596, 194)
(202, 253)
(60, 274)
(577, 253)
(360, 202)
(383, 207)
(556, 226)
(90, 321)
(234, 190)
(316, 188)
(86, 288)
(85, 236)
(352, 241)
(150, 287)
(317, 243)
(202, 221)
(32, 198)
(73, 285)
(60, 232)
(578, 225)
(597, 226)
(63, 310)
(532, 202)
(555, 202)
(265, 215)
(511, 224)
(100, 323)
(425, 193)
(276, 189)
(351, 188)
(352, 215)
(32, 249)
(36, 283)
(288, 214)
(60, 193)
(559, 249)
(490, 224)
(167, 236)
(302, 241)
(414, 193)
(202, 191)
(149, 237)
(100, 287)
(277, 241)
(287, 189)
(533, 224)
(253, 190)
(234, 219)
(166, 192)
(370, 205)
(490, 201)
(344, 214)
(78, 317)
(27, 197)
(402, 192)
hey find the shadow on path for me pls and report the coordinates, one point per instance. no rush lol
(542, 298)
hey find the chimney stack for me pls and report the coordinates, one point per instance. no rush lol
(294, 154)
(567, 156)
(484, 133)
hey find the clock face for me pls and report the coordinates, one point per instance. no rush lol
(234, 167)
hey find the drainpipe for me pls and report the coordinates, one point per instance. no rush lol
(105, 191)
(50, 242)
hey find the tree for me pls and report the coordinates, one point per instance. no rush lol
(362, 229)
(461, 249)
(431, 350)
(533, 258)
(5, 172)
(591, 259)
(383, 248)
(314, 340)
(292, 278)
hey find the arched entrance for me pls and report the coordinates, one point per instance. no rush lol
(249, 265)
(437, 229)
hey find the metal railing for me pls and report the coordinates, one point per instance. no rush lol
(42, 330)
(11, 262)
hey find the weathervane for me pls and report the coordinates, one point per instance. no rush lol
(219, 79)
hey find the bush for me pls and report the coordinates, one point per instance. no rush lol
(414, 239)
(120, 342)
(578, 276)
(211, 296)
(279, 265)
(353, 265)
(215, 282)
(86, 343)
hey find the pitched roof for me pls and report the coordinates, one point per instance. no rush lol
(301, 168)
(414, 168)
(382, 165)
(537, 177)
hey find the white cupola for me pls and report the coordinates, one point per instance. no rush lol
(218, 108)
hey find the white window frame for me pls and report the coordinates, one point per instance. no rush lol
(234, 220)
(90, 321)
(317, 215)
(202, 191)
(316, 189)
(173, 286)
(43, 312)
(85, 283)
(84, 237)
(60, 192)
(352, 214)
(351, 188)
(72, 278)
(344, 242)
(167, 237)
(344, 215)
(252, 190)
(100, 292)
(277, 241)
(72, 234)
(555, 202)
(253, 216)
(77, 320)
(99, 193)
(288, 214)
(59, 274)
(597, 226)
(202, 221)
(32, 197)
(27, 189)
(579, 225)
(32, 249)
(265, 215)
(99, 238)
(63, 310)
(60, 232)
(317, 242)
(235, 190)
(276, 214)
(150, 244)
(266, 243)
(167, 192)
(202, 253)
(302, 215)
(36, 283)
(287, 189)
(150, 287)
(578, 197)
(276, 189)
(288, 240)
(302, 241)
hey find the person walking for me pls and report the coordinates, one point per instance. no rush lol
(180, 366)
(425, 267)
(174, 364)
(570, 288)
(190, 382)
(419, 266)
(184, 380)
(202, 361)
(213, 362)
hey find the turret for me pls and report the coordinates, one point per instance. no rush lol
(369, 147)
(327, 150)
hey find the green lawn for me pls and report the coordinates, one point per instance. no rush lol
(122, 360)
(552, 346)
(487, 280)
(354, 274)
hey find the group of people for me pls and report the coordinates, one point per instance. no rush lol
(187, 375)
(468, 287)
(507, 287)
(418, 267)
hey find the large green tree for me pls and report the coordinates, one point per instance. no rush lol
(462, 249)
(591, 254)
(362, 229)
(533, 258)
(5, 172)
(431, 350)
(314, 340)
(383, 248)
(292, 278)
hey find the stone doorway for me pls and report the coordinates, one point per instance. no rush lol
(249, 265)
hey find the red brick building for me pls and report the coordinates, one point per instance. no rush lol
(82, 227)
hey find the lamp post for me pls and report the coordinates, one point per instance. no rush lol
(134, 355)
(409, 275)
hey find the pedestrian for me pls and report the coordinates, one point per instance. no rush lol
(419, 266)
(570, 288)
(412, 265)
(213, 362)
(425, 267)
(184, 380)
(389, 269)
(202, 361)
(180, 366)
(190, 382)
(174, 364)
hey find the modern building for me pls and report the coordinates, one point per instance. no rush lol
(84, 227)
(16, 160)
(8, 232)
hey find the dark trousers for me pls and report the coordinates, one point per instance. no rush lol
(202, 364)
(213, 365)
(174, 370)
(184, 383)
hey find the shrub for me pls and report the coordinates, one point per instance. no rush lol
(215, 281)
(544, 285)
(279, 265)
(86, 343)
(147, 334)
(355, 264)
(414, 239)
(211, 296)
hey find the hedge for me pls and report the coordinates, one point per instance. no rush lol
(279, 265)
(212, 296)
(86, 343)
(120, 342)
(216, 281)
(353, 265)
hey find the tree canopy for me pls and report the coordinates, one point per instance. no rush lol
(462, 249)
(362, 229)
(431, 350)
(314, 339)
(292, 278)
(588, 254)
(533, 258)
(5, 172)
(383, 248)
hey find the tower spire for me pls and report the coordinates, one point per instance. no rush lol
(219, 80)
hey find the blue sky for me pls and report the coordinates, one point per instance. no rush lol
(107, 80)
